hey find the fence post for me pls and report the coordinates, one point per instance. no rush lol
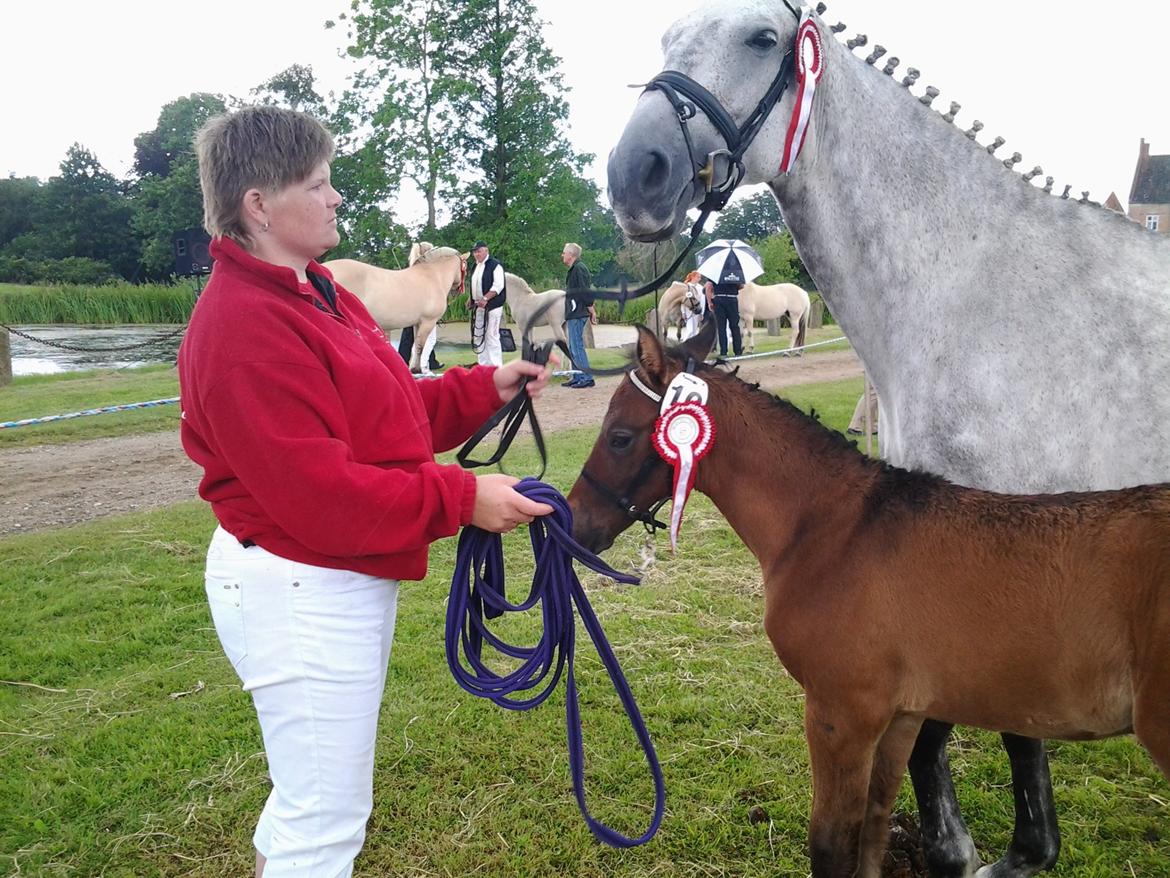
(816, 315)
(5, 358)
(773, 327)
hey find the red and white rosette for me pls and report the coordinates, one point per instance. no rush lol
(810, 64)
(683, 434)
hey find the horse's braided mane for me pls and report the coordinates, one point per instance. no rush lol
(932, 93)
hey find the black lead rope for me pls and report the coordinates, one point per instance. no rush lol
(511, 415)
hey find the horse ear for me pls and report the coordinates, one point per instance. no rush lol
(700, 346)
(650, 355)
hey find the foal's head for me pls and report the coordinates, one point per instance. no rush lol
(624, 480)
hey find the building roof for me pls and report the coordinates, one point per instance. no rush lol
(1151, 183)
(1112, 203)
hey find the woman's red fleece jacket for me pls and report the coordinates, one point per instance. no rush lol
(315, 441)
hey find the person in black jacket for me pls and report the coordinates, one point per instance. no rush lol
(579, 308)
(489, 291)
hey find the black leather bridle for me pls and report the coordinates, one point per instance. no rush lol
(647, 516)
(688, 97)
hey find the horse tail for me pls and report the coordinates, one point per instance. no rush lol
(803, 326)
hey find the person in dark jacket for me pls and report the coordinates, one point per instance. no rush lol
(723, 302)
(579, 309)
(318, 453)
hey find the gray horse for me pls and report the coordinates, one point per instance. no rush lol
(940, 264)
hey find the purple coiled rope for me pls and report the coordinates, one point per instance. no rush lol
(555, 587)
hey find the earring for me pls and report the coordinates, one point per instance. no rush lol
(264, 228)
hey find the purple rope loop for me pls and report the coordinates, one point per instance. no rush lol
(556, 588)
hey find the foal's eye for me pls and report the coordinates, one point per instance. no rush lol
(764, 40)
(620, 441)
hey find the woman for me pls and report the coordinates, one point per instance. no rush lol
(317, 447)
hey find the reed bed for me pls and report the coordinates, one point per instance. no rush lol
(96, 305)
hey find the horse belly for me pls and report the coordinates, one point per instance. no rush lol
(1050, 700)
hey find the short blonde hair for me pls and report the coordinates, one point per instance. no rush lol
(573, 250)
(254, 148)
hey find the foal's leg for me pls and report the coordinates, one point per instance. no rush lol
(949, 850)
(1036, 839)
(889, 767)
(841, 745)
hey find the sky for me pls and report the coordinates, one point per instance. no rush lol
(1074, 93)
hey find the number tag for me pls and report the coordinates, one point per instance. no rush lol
(684, 387)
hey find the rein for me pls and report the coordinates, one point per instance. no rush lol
(557, 589)
(511, 415)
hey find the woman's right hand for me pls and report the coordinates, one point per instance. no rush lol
(499, 507)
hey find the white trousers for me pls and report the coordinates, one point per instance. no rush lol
(311, 646)
(491, 354)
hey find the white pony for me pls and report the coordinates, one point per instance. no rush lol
(955, 279)
(771, 303)
(681, 306)
(413, 296)
(527, 306)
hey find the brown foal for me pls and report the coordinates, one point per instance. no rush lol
(893, 596)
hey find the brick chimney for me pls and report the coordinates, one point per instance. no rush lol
(1143, 159)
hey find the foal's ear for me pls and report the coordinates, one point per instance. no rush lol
(650, 355)
(700, 346)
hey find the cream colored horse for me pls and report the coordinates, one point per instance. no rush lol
(414, 296)
(681, 302)
(670, 312)
(527, 307)
(772, 303)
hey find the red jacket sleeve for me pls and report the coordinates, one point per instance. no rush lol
(283, 433)
(458, 404)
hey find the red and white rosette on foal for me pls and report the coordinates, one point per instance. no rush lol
(682, 436)
(810, 64)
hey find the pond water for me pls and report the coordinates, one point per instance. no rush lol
(159, 345)
(36, 358)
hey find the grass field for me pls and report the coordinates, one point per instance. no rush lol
(108, 304)
(128, 749)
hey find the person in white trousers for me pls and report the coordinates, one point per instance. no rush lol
(489, 291)
(318, 453)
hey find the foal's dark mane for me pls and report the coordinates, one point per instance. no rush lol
(908, 488)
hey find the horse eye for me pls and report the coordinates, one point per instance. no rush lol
(620, 441)
(764, 40)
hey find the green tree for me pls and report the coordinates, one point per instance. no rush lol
(19, 202)
(401, 104)
(526, 194)
(294, 87)
(83, 213)
(781, 264)
(750, 219)
(167, 197)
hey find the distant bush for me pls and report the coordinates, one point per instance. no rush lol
(71, 270)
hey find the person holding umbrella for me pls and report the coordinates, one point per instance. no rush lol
(727, 265)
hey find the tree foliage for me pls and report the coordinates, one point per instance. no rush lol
(167, 198)
(750, 219)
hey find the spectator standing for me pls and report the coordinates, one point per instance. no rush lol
(579, 309)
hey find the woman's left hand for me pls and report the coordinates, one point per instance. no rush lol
(507, 378)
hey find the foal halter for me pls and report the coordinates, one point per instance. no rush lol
(648, 516)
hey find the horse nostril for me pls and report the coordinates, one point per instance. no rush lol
(654, 171)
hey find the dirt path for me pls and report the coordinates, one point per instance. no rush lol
(50, 486)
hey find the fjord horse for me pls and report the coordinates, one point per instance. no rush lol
(414, 296)
(892, 596)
